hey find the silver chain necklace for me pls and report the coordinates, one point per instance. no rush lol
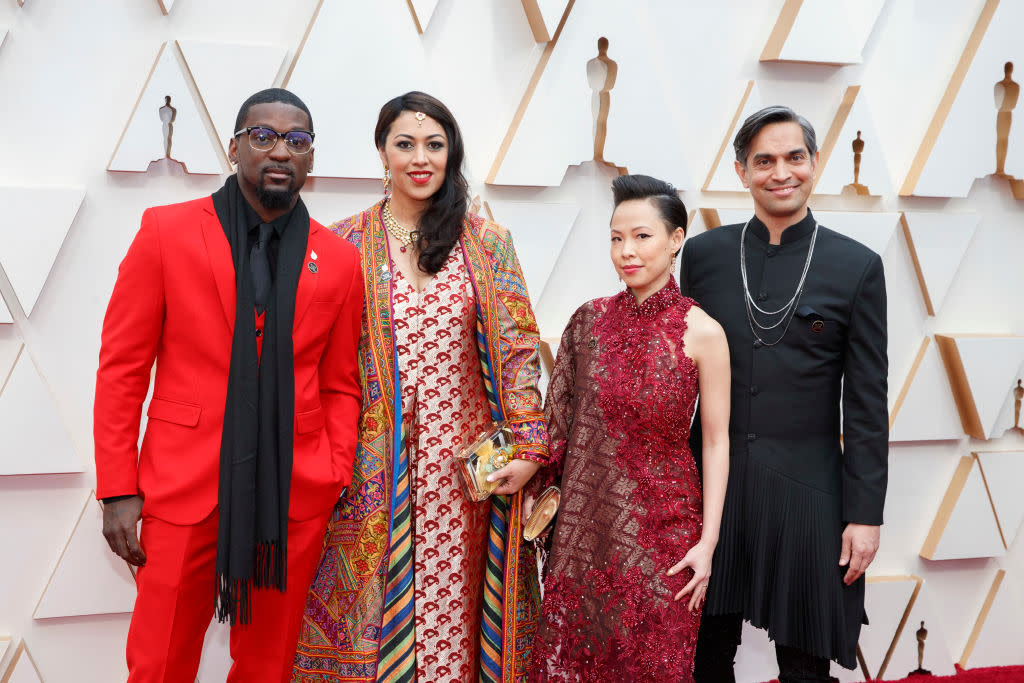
(788, 309)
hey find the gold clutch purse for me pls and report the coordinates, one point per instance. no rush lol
(544, 510)
(491, 451)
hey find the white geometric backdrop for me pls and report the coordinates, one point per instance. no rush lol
(82, 86)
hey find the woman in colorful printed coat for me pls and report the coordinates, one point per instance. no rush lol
(449, 343)
(632, 545)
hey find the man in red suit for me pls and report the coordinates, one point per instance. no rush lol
(251, 312)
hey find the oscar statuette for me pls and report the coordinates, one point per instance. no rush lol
(922, 633)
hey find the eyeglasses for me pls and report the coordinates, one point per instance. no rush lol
(263, 139)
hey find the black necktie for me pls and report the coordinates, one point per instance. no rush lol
(259, 264)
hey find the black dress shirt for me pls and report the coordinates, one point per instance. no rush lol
(253, 220)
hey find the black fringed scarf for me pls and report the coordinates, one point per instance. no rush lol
(256, 444)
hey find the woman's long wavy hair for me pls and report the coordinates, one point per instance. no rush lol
(441, 224)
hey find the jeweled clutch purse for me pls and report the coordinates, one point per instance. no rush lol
(489, 452)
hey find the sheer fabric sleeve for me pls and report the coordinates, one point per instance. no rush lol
(559, 404)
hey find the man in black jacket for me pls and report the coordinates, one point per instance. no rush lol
(804, 310)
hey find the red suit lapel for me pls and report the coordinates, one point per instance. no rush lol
(219, 252)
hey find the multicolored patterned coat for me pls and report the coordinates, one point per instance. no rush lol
(368, 541)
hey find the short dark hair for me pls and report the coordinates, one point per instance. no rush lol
(759, 119)
(269, 96)
(660, 193)
(441, 224)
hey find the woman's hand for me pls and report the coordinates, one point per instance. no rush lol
(699, 560)
(515, 474)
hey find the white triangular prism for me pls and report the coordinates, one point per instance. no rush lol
(874, 230)
(938, 658)
(331, 208)
(89, 579)
(424, 10)
(5, 644)
(940, 241)
(818, 35)
(825, 31)
(539, 232)
(928, 412)
(971, 530)
(28, 255)
(1004, 472)
(551, 12)
(697, 226)
(10, 349)
(874, 171)
(145, 133)
(5, 314)
(734, 216)
(885, 601)
(965, 148)
(325, 62)
(35, 440)
(988, 363)
(723, 176)
(166, 6)
(558, 125)
(22, 668)
(999, 640)
(227, 73)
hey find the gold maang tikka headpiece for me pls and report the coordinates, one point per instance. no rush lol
(419, 118)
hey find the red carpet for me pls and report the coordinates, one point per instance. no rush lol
(996, 674)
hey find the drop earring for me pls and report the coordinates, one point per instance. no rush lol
(386, 180)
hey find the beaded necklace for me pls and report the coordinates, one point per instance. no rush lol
(403, 235)
(787, 311)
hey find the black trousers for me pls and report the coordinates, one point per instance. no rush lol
(718, 639)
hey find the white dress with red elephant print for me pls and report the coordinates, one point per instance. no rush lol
(444, 404)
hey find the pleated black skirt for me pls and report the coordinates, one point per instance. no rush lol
(777, 561)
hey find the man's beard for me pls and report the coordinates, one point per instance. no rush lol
(277, 198)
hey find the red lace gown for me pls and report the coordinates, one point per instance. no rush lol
(619, 406)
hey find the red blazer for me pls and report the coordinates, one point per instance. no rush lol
(174, 302)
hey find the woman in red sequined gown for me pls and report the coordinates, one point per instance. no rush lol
(632, 545)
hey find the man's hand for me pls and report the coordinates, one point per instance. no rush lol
(119, 520)
(860, 543)
(515, 474)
